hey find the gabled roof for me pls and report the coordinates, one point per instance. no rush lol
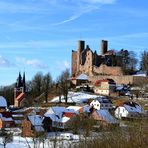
(20, 96)
(36, 120)
(133, 107)
(82, 77)
(58, 110)
(103, 99)
(106, 116)
(110, 81)
(74, 108)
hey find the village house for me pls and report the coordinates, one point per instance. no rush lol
(129, 109)
(101, 103)
(105, 87)
(60, 117)
(103, 117)
(32, 125)
(6, 120)
(82, 79)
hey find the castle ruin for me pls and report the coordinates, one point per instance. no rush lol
(84, 60)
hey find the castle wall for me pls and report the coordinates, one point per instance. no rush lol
(107, 70)
(137, 80)
(74, 62)
(127, 79)
(87, 67)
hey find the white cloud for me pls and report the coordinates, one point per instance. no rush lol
(4, 62)
(82, 7)
(62, 65)
(35, 63)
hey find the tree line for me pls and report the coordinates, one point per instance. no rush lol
(40, 87)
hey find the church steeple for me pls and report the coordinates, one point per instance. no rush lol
(24, 82)
(19, 80)
(20, 90)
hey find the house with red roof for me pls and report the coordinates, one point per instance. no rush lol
(105, 87)
(6, 120)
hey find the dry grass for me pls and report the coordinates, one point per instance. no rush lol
(133, 136)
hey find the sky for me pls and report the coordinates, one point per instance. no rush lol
(39, 35)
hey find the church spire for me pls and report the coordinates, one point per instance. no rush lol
(19, 81)
(24, 82)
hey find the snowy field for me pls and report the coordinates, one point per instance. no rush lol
(58, 140)
(77, 97)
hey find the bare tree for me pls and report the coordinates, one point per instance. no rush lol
(37, 84)
(63, 83)
(6, 137)
(47, 83)
(129, 61)
(144, 61)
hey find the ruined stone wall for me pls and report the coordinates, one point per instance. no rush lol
(118, 79)
(87, 67)
(103, 69)
(74, 62)
(140, 80)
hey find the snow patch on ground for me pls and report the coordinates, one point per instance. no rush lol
(77, 97)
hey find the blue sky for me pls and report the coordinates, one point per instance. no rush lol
(38, 35)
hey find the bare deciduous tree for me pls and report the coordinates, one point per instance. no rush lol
(63, 83)
(144, 61)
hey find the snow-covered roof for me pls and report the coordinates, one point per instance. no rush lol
(39, 128)
(18, 115)
(74, 108)
(35, 120)
(57, 118)
(5, 118)
(86, 108)
(58, 110)
(133, 107)
(64, 119)
(103, 100)
(82, 77)
(140, 74)
(3, 102)
(106, 116)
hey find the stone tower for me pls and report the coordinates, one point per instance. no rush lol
(81, 47)
(104, 46)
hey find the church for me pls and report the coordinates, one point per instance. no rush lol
(20, 91)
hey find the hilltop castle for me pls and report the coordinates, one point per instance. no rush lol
(84, 60)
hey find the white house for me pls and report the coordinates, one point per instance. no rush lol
(101, 103)
(129, 110)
